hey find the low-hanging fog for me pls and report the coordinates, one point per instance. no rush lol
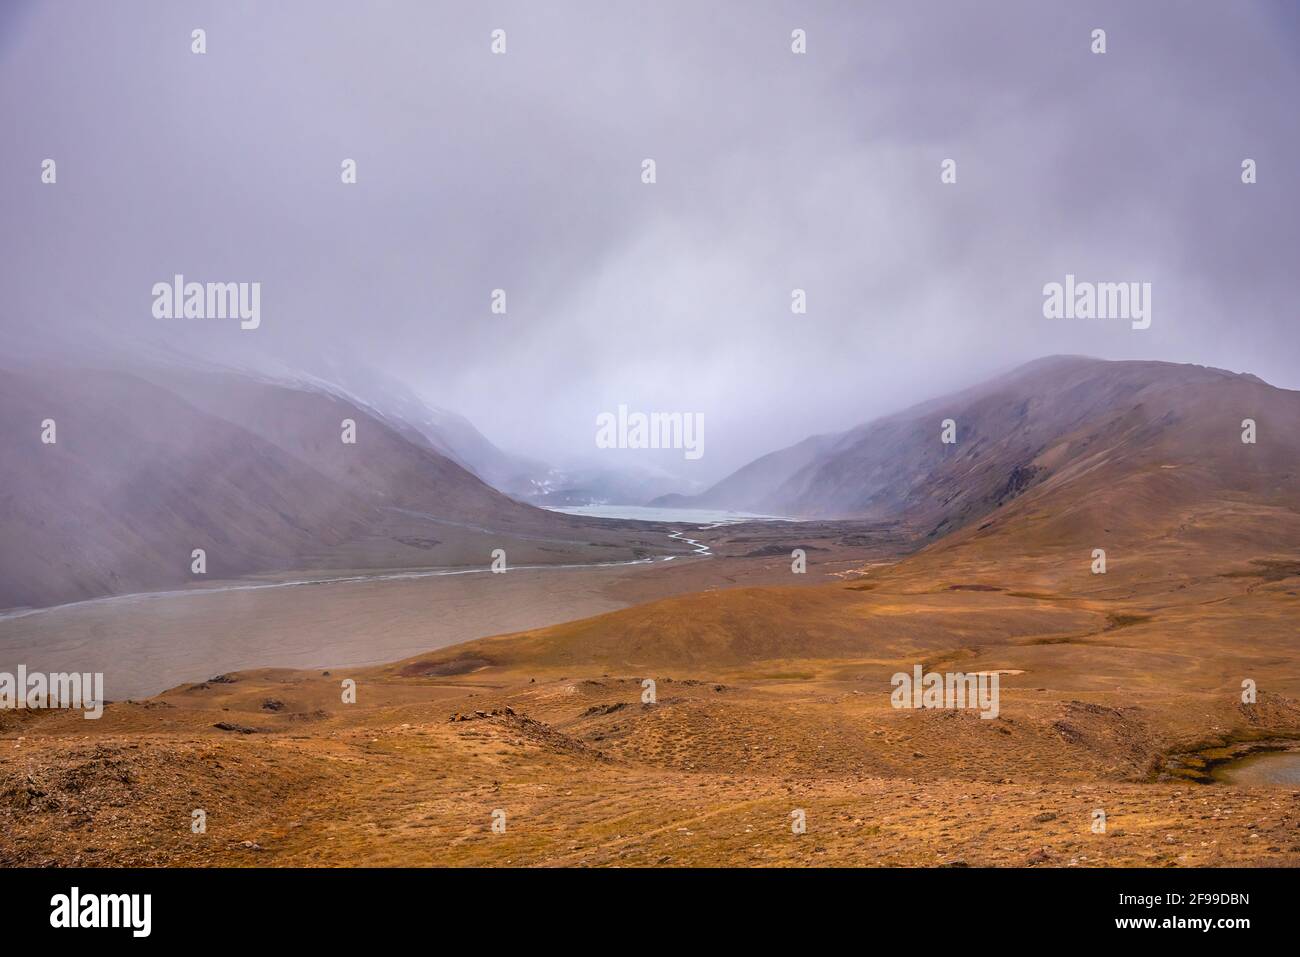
(775, 171)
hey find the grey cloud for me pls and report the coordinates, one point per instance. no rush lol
(775, 172)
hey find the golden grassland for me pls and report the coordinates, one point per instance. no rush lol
(770, 699)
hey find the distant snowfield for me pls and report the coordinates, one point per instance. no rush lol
(686, 516)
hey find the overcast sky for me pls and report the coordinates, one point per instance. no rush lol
(775, 171)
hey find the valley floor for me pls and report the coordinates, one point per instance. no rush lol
(585, 774)
(771, 699)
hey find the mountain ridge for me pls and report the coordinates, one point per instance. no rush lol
(145, 468)
(895, 465)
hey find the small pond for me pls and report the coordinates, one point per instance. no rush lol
(1280, 769)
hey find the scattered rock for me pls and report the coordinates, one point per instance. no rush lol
(477, 715)
(230, 726)
(598, 709)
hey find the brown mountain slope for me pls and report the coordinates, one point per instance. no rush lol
(146, 470)
(1057, 418)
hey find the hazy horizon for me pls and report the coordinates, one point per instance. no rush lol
(775, 171)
